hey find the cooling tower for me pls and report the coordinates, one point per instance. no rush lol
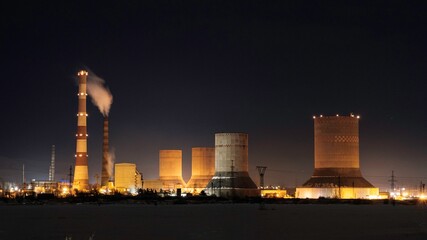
(170, 169)
(202, 168)
(231, 177)
(105, 172)
(81, 179)
(336, 160)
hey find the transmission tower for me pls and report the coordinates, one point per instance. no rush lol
(392, 181)
(52, 165)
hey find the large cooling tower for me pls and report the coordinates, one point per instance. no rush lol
(202, 168)
(336, 159)
(170, 169)
(231, 177)
(81, 178)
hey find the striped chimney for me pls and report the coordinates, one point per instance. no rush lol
(105, 174)
(81, 179)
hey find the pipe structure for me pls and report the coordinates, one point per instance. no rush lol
(105, 174)
(81, 179)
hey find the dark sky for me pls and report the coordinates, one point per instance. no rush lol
(180, 71)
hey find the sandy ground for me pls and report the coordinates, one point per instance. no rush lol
(213, 221)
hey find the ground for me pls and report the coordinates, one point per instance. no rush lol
(213, 221)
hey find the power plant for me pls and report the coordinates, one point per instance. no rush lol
(336, 161)
(223, 170)
(202, 168)
(81, 179)
(231, 177)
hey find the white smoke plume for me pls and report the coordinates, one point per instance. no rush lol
(100, 94)
(111, 157)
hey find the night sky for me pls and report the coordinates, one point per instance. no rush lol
(180, 71)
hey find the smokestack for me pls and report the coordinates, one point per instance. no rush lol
(52, 165)
(81, 178)
(105, 173)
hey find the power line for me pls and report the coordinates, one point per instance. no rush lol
(414, 177)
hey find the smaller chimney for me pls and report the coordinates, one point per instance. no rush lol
(105, 175)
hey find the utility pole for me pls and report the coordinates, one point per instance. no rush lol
(219, 183)
(97, 179)
(354, 194)
(261, 171)
(23, 173)
(23, 180)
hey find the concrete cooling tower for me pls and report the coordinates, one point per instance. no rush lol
(336, 161)
(170, 169)
(202, 168)
(231, 177)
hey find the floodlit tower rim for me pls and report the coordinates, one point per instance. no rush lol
(335, 116)
(82, 72)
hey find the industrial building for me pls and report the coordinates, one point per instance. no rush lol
(127, 178)
(43, 186)
(274, 193)
(153, 184)
(231, 177)
(202, 169)
(336, 161)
